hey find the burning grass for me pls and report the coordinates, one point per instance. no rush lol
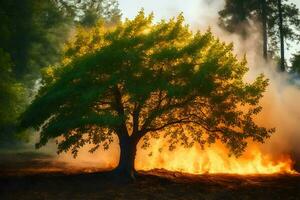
(215, 160)
(36, 176)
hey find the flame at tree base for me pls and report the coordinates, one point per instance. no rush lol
(195, 160)
(213, 160)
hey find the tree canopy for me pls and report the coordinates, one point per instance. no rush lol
(141, 80)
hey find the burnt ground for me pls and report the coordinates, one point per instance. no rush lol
(30, 176)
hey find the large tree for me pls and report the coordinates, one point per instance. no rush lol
(278, 19)
(143, 80)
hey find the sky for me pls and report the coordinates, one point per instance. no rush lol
(195, 11)
(297, 2)
(200, 14)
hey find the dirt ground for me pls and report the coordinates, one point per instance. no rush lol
(31, 178)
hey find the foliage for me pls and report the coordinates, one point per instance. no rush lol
(32, 32)
(238, 16)
(11, 95)
(31, 37)
(145, 80)
(296, 63)
(88, 12)
(291, 24)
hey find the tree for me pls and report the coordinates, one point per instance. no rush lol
(264, 20)
(281, 35)
(88, 12)
(278, 19)
(31, 32)
(237, 16)
(143, 80)
(286, 22)
(11, 97)
(32, 35)
(296, 63)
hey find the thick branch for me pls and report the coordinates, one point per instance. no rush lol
(158, 112)
(180, 121)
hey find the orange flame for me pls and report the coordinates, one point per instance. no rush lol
(213, 159)
(194, 160)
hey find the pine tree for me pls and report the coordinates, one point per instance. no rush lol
(278, 19)
(296, 63)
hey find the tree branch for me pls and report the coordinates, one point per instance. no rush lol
(180, 121)
(159, 112)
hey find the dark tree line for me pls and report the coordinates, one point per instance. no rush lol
(278, 19)
(32, 35)
(32, 31)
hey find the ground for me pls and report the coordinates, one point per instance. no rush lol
(38, 179)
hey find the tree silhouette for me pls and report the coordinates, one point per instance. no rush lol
(278, 19)
(295, 68)
(142, 80)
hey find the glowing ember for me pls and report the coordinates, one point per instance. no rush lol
(213, 159)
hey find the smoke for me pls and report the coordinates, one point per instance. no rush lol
(282, 112)
(280, 106)
(100, 159)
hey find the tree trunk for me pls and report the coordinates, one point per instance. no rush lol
(282, 56)
(125, 168)
(264, 26)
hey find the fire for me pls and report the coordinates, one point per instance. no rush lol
(213, 159)
(194, 160)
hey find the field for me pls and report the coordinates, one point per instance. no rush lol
(33, 176)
